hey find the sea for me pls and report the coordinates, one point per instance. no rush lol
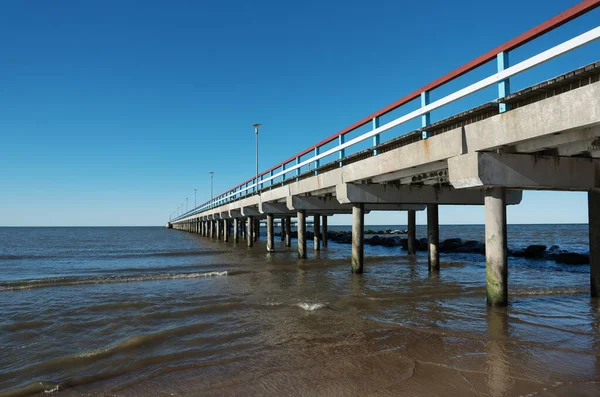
(148, 311)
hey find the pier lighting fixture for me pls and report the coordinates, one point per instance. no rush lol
(256, 127)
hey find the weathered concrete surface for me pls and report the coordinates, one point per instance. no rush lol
(249, 231)
(394, 194)
(524, 171)
(225, 230)
(594, 225)
(316, 204)
(433, 237)
(412, 232)
(317, 232)
(270, 235)
(496, 247)
(301, 216)
(236, 232)
(324, 231)
(358, 244)
(274, 208)
(288, 231)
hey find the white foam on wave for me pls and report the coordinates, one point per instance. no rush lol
(311, 307)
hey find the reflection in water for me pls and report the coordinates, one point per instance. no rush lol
(496, 358)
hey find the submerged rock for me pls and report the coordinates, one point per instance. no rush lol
(450, 245)
(572, 258)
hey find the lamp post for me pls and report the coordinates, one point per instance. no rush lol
(256, 127)
(211, 188)
(195, 198)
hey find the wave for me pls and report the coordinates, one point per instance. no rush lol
(66, 281)
(311, 307)
(105, 255)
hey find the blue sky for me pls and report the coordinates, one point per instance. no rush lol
(112, 112)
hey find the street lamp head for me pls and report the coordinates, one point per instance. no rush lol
(256, 127)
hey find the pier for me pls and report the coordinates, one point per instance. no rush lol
(543, 137)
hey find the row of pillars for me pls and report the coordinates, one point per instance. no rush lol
(496, 252)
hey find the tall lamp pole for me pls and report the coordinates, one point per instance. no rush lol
(256, 127)
(211, 188)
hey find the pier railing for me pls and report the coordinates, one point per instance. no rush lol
(290, 169)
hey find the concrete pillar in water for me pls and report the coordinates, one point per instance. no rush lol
(282, 229)
(250, 225)
(270, 236)
(317, 232)
(412, 232)
(218, 224)
(433, 237)
(236, 232)
(496, 258)
(324, 231)
(594, 222)
(358, 238)
(256, 229)
(212, 228)
(225, 230)
(301, 234)
(288, 231)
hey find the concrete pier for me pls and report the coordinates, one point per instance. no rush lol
(270, 235)
(218, 224)
(288, 231)
(249, 231)
(236, 232)
(412, 232)
(496, 258)
(594, 222)
(433, 237)
(226, 230)
(358, 226)
(317, 232)
(212, 228)
(324, 231)
(301, 234)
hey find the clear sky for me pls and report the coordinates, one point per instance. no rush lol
(112, 112)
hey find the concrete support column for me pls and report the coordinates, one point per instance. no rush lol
(288, 231)
(256, 229)
(412, 232)
(433, 237)
(244, 228)
(358, 238)
(225, 230)
(270, 235)
(324, 231)
(496, 258)
(594, 222)
(204, 228)
(282, 229)
(211, 226)
(218, 224)
(249, 230)
(317, 232)
(236, 232)
(301, 234)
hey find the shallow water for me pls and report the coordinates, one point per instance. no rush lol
(151, 311)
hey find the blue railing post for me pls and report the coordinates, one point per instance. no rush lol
(376, 138)
(271, 181)
(504, 85)
(342, 152)
(426, 118)
(317, 162)
(297, 169)
(282, 170)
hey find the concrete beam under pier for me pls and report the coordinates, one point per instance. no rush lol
(394, 194)
(314, 204)
(524, 171)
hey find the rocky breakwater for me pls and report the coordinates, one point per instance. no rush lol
(457, 245)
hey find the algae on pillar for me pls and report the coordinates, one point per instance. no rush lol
(270, 236)
(317, 232)
(236, 223)
(412, 232)
(358, 223)
(433, 237)
(594, 232)
(324, 231)
(288, 231)
(250, 226)
(301, 234)
(496, 258)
